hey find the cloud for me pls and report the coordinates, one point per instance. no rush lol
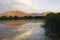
(5, 2)
(25, 5)
(30, 5)
(17, 6)
(26, 2)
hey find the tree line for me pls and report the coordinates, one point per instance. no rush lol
(19, 18)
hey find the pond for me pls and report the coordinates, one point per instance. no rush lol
(22, 30)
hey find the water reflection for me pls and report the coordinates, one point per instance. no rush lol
(22, 30)
(13, 22)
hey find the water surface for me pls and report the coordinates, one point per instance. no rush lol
(22, 30)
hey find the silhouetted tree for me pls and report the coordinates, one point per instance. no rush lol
(3, 18)
(10, 17)
(29, 17)
(15, 17)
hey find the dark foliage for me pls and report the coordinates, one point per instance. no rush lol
(19, 18)
(52, 26)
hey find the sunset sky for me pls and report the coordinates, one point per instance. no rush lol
(30, 6)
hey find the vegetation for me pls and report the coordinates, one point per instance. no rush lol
(52, 25)
(49, 14)
(19, 18)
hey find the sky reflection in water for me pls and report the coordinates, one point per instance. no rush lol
(30, 30)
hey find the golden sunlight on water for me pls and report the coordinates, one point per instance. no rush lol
(22, 36)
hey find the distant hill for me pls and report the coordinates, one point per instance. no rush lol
(15, 13)
(45, 13)
(35, 14)
(22, 14)
(40, 14)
